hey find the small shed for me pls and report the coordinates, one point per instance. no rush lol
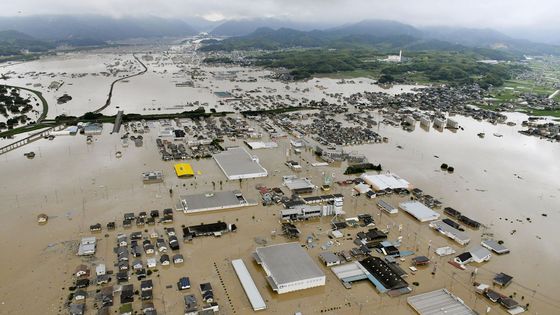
(329, 259)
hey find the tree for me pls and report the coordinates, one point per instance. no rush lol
(385, 78)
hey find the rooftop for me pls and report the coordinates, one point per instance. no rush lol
(419, 211)
(183, 169)
(256, 299)
(495, 246)
(237, 163)
(217, 200)
(294, 183)
(329, 258)
(439, 302)
(451, 232)
(288, 262)
(384, 181)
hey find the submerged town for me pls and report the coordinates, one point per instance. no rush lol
(162, 178)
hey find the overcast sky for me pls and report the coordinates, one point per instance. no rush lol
(500, 14)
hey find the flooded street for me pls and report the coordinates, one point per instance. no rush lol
(508, 182)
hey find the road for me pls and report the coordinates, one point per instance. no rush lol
(108, 102)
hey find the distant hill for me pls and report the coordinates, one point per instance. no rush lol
(390, 36)
(14, 42)
(95, 28)
(269, 39)
(488, 38)
(248, 26)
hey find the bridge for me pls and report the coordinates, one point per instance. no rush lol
(33, 137)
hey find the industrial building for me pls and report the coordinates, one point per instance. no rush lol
(298, 185)
(255, 297)
(257, 145)
(330, 259)
(209, 229)
(289, 267)
(419, 211)
(377, 271)
(322, 198)
(237, 163)
(383, 205)
(384, 181)
(439, 302)
(306, 211)
(93, 129)
(217, 200)
(451, 232)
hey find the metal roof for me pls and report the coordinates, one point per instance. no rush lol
(495, 246)
(288, 263)
(237, 163)
(451, 232)
(257, 301)
(384, 181)
(329, 258)
(439, 302)
(215, 200)
(419, 211)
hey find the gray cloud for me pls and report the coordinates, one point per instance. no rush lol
(500, 14)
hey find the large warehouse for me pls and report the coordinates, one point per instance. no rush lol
(439, 302)
(216, 200)
(289, 268)
(383, 181)
(237, 163)
(419, 211)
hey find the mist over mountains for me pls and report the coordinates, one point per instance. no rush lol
(272, 33)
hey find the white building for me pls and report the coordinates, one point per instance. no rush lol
(289, 268)
(394, 58)
(384, 181)
(419, 211)
(304, 212)
(237, 163)
(87, 246)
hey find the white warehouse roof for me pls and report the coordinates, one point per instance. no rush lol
(439, 302)
(255, 297)
(419, 211)
(384, 181)
(289, 267)
(237, 163)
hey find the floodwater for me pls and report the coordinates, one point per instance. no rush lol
(156, 90)
(499, 181)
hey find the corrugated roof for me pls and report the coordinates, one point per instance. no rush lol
(257, 301)
(419, 211)
(238, 163)
(288, 263)
(439, 302)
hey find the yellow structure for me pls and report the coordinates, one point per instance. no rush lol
(183, 169)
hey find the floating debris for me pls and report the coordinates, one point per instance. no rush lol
(42, 218)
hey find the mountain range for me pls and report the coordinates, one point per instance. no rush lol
(95, 28)
(14, 42)
(389, 35)
(266, 33)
